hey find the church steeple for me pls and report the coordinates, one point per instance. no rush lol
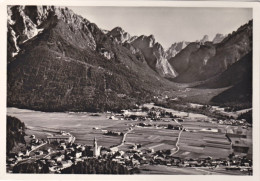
(95, 148)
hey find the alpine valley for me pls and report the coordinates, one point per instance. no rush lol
(60, 61)
(84, 100)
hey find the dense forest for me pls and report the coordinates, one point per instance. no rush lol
(247, 116)
(35, 167)
(14, 133)
(204, 110)
(182, 107)
(95, 166)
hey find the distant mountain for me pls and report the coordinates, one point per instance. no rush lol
(119, 35)
(175, 49)
(218, 38)
(154, 55)
(181, 61)
(211, 59)
(204, 39)
(146, 48)
(58, 61)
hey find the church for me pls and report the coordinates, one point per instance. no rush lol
(96, 148)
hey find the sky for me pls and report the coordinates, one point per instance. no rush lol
(168, 24)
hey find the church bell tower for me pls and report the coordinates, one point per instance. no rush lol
(95, 148)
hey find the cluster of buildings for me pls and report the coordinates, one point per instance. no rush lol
(237, 163)
(63, 136)
(66, 153)
(14, 158)
(136, 157)
(143, 114)
(234, 122)
(113, 133)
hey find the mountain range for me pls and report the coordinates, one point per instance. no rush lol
(58, 60)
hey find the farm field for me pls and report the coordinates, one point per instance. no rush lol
(169, 170)
(152, 138)
(241, 140)
(81, 125)
(201, 137)
(203, 144)
(195, 95)
(161, 169)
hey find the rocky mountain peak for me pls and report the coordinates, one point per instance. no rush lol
(154, 55)
(145, 41)
(218, 38)
(159, 47)
(212, 59)
(151, 37)
(84, 65)
(204, 39)
(26, 22)
(175, 48)
(119, 35)
(118, 29)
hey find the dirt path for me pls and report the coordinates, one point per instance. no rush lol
(123, 139)
(37, 147)
(178, 139)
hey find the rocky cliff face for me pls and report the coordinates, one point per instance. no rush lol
(154, 55)
(146, 49)
(119, 35)
(175, 49)
(230, 50)
(218, 38)
(64, 62)
(204, 39)
(25, 22)
(212, 59)
(182, 60)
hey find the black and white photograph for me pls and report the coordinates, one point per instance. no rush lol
(130, 89)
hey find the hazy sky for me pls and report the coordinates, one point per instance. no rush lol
(168, 25)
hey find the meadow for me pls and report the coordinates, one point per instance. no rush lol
(81, 125)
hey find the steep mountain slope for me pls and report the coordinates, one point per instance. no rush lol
(212, 59)
(154, 55)
(238, 95)
(175, 49)
(237, 72)
(239, 76)
(71, 64)
(181, 61)
(146, 49)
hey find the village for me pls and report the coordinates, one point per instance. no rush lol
(59, 151)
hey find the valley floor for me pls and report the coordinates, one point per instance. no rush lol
(154, 132)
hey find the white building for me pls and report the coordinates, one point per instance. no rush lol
(96, 149)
